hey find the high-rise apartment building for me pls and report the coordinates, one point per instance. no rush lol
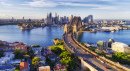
(88, 19)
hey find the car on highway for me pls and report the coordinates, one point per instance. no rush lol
(105, 67)
(102, 62)
(84, 58)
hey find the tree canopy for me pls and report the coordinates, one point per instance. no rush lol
(18, 54)
(1, 44)
(67, 60)
(35, 61)
(121, 57)
(64, 54)
(56, 50)
(36, 45)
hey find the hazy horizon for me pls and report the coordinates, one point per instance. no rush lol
(38, 9)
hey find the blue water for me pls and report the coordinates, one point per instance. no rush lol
(38, 36)
(44, 37)
(118, 36)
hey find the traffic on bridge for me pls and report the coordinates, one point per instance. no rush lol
(78, 50)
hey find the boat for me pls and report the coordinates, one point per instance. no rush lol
(113, 31)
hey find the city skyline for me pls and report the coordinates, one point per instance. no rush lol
(37, 9)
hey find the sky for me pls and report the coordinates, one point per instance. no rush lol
(38, 9)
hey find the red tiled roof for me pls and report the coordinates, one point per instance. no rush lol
(60, 67)
(23, 65)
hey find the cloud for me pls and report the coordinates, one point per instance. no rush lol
(106, 0)
(30, 8)
(46, 3)
(49, 3)
(106, 8)
(5, 4)
(41, 3)
(80, 4)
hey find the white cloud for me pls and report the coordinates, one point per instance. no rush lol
(79, 4)
(5, 4)
(106, 0)
(41, 3)
(49, 3)
(45, 3)
(107, 8)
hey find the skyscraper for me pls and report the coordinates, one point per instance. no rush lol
(70, 18)
(23, 18)
(90, 18)
(50, 16)
(55, 14)
(49, 19)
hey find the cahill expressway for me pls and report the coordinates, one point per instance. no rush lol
(68, 39)
(87, 57)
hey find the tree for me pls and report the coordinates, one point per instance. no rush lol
(57, 44)
(56, 50)
(1, 44)
(18, 54)
(35, 61)
(16, 51)
(72, 64)
(55, 38)
(68, 62)
(64, 54)
(36, 45)
(121, 57)
(31, 54)
(92, 49)
(17, 70)
(1, 55)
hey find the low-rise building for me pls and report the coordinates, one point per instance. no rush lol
(24, 66)
(12, 46)
(7, 68)
(120, 47)
(37, 50)
(16, 62)
(7, 57)
(44, 68)
(60, 68)
(42, 59)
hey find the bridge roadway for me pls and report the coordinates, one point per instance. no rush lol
(87, 57)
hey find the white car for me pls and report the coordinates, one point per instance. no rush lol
(102, 62)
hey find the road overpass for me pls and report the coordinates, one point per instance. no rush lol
(88, 59)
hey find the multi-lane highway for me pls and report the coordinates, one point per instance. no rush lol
(99, 65)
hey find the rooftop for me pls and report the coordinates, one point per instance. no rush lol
(6, 67)
(44, 67)
(60, 67)
(120, 44)
(23, 65)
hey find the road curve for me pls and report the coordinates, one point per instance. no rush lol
(87, 57)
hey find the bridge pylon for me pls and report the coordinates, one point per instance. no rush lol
(74, 29)
(65, 29)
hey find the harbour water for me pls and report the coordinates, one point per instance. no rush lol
(44, 36)
(117, 36)
(38, 36)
